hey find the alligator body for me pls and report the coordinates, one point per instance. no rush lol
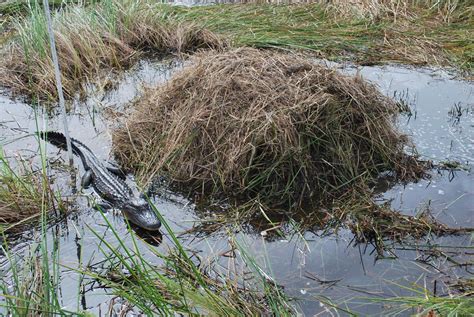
(109, 183)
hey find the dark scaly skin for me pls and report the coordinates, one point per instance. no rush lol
(111, 187)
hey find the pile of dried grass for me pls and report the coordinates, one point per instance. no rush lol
(263, 124)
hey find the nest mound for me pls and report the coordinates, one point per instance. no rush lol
(262, 124)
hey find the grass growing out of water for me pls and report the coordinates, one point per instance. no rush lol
(30, 285)
(427, 304)
(183, 284)
(108, 35)
(112, 34)
(24, 193)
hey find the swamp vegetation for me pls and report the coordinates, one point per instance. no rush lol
(111, 35)
(252, 127)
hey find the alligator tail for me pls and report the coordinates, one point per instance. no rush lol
(59, 140)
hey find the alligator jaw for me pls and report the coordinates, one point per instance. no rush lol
(140, 213)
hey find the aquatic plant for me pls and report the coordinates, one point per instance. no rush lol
(29, 281)
(425, 303)
(29, 285)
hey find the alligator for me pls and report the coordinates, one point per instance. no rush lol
(109, 183)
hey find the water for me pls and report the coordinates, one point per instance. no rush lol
(312, 267)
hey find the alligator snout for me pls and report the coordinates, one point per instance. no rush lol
(140, 213)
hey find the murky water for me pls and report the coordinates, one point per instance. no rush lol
(312, 268)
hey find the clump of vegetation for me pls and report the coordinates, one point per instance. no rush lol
(262, 124)
(425, 303)
(376, 223)
(24, 194)
(30, 288)
(108, 35)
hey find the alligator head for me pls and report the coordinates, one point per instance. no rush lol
(139, 212)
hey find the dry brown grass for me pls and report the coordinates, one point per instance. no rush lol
(89, 41)
(376, 9)
(263, 124)
(24, 194)
(111, 35)
(396, 9)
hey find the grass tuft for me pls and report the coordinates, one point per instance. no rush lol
(108, 35)
(24, 193)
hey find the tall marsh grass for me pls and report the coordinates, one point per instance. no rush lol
(29, 286)
(366, 32)
(111, 35)
(104, 36)
(24, 193)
